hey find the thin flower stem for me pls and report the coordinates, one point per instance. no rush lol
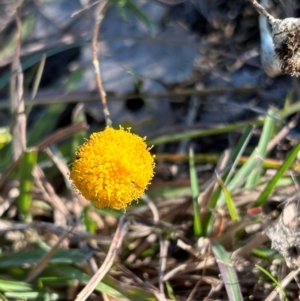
(96, 63)
(262, 11)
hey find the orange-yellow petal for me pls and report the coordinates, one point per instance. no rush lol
(112, 168)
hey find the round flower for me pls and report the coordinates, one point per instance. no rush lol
(112, 168)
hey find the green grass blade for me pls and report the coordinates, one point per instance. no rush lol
(169, 192)
(4, 79)
(35, 295)
(75, 79)
(36, 84)
(5, 137)
(229, 202)
(170, 291)
(207, 223)
(195, 195)
(2, 298)
(266, 253)
(272, 183)
(203, 133)
(235, 157)
(21, 258)
(242, 143)
(90, 224)
(55, 280)
(6, 154)
(265, 138)
(276, 282)
(45, 124)
(241, 176)
(75, 273)
(28, 162)
(228, 273)
(78, 116)
(38, 77)
(292, 109)
(14, 286)
(238, 151)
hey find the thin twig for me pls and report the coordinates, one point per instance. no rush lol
(262, 11)
(283, 133)
(99, 17)
(189, 267)
(61, 212)
(194, 290)
(108, 262)
(61, 165)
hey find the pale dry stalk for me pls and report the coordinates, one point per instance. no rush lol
(17, 105)
(108, 262)
(99, 15)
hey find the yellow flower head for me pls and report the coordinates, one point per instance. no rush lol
(112, 168)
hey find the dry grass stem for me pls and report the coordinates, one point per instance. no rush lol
(255, 242)
(60, 209)
(61, 165)
(141, 247)
(62, 134)
(262, 11)
(283, 133)
(152, 207)
(99, 15)
(189, 267)
(108, 262)
(16, 95)
(164, 247)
